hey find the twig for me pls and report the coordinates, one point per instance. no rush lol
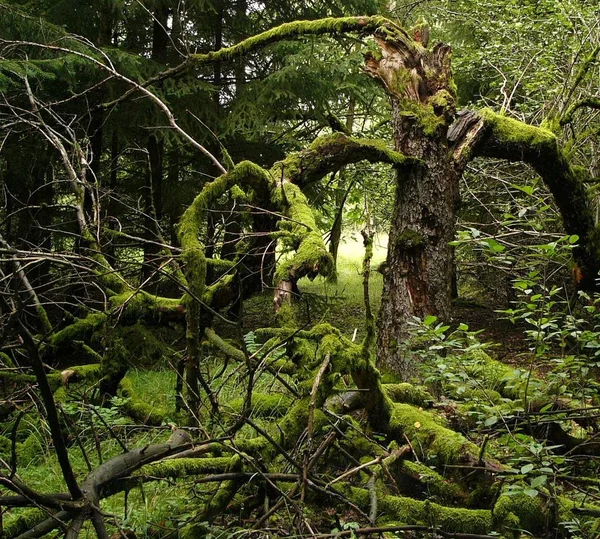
(355, 470)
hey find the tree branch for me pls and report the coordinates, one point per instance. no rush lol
(506, 138)
(589, 102)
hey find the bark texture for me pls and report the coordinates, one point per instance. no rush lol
(418, 269)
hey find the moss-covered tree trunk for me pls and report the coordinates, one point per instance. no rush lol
(418, 270)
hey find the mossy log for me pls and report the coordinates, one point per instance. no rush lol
(136, 408)
(409, 473)
(398, 509)
(183, 467)
(434, 441)
(427, 431)
(409, 394)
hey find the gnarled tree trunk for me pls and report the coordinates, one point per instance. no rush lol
(418, 269)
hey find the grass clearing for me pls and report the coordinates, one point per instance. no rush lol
(341, 303)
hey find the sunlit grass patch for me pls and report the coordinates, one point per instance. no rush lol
(341, 302)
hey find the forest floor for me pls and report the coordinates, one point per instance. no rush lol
(459, 401)
(341, 303)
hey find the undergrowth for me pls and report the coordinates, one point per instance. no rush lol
(532, 422)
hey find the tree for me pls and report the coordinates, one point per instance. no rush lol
(432, 145)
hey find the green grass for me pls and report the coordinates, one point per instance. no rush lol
(155, 387)
(341, 303)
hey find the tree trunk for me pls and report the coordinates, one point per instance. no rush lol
(418, 270)
(419, 266)
(153, 205)
(341, 193)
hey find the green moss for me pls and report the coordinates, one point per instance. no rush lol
(224, 283)
(311, 257)
(552, 124)
(409, 511)
(61, 395)
(88, 373)
(356, 443)
(195, 530)
(29, 451)
(443, 102)
(225, 347)
(291, 30)
(137, 409)
(430, 436)
(16, 522)
(529, 512)
(132, 306)
(425, 115)
(408, 394)
(245, 173)
(328, 153)
(509, 131)
(567, 512)
(184, 467)
(409, 240)
(433, 481)
(493, 374)
(265, 405)
(81, 329)
(44, 321)
(253, 446)
(143, 347)
(296, 420)
(5, 361)
(8, 377)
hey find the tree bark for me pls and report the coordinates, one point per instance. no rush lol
(419, 265)
(418, 269)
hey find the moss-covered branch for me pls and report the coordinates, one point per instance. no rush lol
(245, 174)
(138, 409)
(292, 30)
(311, 257)
(506, 138)
(329, 153)
(589, 102)
(410, 511)
(326, 154)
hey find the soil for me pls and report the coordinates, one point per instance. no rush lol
(509, 338)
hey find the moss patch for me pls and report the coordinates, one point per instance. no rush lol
(430, 437)
(409, 511)
(138, 409)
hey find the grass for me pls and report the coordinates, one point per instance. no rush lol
(341, 303)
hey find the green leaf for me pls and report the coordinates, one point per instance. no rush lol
(527, 189)
(538, 481)
(494, 245)
(527, 468)
(429, 320)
